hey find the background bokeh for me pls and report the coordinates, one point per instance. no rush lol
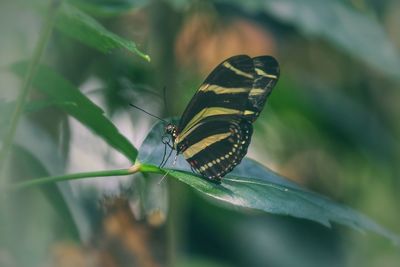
(331, 125)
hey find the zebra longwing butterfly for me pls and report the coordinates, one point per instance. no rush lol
(215, 129)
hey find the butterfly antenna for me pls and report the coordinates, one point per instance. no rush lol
(165, 100)
(148, 113)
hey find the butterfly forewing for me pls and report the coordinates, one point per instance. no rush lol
(215, 129)
(224, 92)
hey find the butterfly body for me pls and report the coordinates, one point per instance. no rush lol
(216, 127)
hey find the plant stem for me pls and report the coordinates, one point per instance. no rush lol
(26, 86)
(150, 169)
(119, 172)
(52, 179)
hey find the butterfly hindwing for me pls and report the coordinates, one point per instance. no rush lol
(217, 146)
(266, 70)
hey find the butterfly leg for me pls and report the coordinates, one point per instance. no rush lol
(166, 142)
(163, 158)
(166, 159)
(173, 164)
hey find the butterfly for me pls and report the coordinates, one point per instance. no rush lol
(215, 129)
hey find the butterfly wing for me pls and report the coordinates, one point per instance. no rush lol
(217, 145)
(224, 92)
(266, 76)
(215, 129)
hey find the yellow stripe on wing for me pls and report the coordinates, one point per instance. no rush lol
(263, 73)
(201, 145)
(236, 70)
(222, 90)
(204, 113)
(257, 91)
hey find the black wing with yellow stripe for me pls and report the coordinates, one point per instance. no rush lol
(215, 129)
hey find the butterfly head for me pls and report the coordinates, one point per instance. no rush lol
(171, 130)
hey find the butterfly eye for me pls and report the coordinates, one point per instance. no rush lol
(168, 129)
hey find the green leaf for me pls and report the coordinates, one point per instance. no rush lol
(107, 8)
(79, 106)
(359, 34)
(50, 191)
(37, 217)
(199, 262)
(337, 116)
(251, 185)
(80, 26)
(6, 109)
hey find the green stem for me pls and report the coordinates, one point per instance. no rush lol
(150, 169)
(52, 179)
(26, 86)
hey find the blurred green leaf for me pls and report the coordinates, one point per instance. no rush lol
(319, 103)
(154, 197)
(259, 188)
(107, 8)
(359, 34)
(78, 25)
(51, 191)
(38, 105)
(6, 109)
(79, 106)
(199, 262)
(31, 221)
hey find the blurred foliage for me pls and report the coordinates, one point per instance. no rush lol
(331, 125)
(78, 106)
(76, 24)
